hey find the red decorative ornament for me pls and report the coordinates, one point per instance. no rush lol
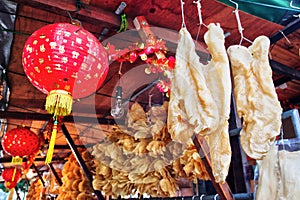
(64, 61)
(26, 164)
(11, 176)
(20, 142)
(153, 52)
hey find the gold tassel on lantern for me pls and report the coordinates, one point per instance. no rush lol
(59, 103)
(14, 175)
(52, 143)
(16, 160)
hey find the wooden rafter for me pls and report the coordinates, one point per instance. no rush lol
(93, 15)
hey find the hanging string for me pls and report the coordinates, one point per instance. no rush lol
(282, 138)
(200, 17)
(120, 72)
(285, 37)
(150, 105)
(182, 14)
(240, 28)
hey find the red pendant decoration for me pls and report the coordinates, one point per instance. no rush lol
(11, 176)
(60, 57)
(65, 62)
(20, 142)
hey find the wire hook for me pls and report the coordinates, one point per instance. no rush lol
(201, 197)
(240, 27)
(215, 197)
(292, 6)
(182, 13)
(285, 37)
(75, 22)
(198, 2)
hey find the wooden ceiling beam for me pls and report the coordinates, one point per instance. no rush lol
(93, 15)
(46, 117)
(290, 28)
(285, 70)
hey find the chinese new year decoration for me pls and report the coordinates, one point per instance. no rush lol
(153, 52)
(65, 62)
(20, 142)
(11, 176)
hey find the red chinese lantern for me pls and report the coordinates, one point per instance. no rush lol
(20, 142)
(11, 176)
(64, 61)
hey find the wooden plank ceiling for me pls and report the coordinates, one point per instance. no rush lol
(26, 105)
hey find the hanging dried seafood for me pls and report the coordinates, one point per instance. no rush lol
(75, 184)
(53, 185)
(36, 190)
(256, 98)
(139, 158)
(200, 97)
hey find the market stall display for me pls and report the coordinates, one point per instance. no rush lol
(141, 158)
(215, 113)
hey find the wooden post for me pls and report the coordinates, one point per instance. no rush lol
(238, 158)
(223, 190)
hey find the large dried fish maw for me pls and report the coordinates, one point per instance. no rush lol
(191, 104)
(257, 101)
(218, 80)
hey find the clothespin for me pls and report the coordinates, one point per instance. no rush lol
(124, 23)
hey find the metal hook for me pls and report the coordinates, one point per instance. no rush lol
(236, 4)
(198, 2)
(182, 13)
(215, 197)
(200, 17)
(74, 21)
(201, 197)
(292, 6)
(237, 16)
